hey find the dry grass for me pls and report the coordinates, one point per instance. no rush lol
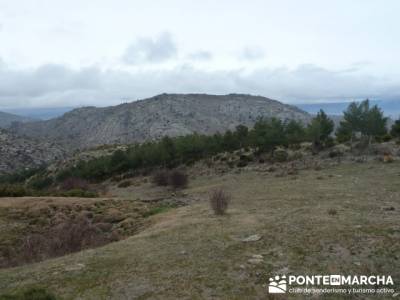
(185, 255)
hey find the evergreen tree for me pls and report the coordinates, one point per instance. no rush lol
(395, 130)
(295, 132)
(363, 119)
(320, 129)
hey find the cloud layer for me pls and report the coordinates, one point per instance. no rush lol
(58, 85)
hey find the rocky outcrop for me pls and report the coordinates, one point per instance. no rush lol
(166, 114)
(17, 153)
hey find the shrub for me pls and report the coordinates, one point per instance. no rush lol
(386, 138)
(178, 179)
(39, 182)
(160, 178)
(74, 183)
(125, 184)
(281, 155)
(12, 190)
(219, 201)
(70, 236)
(29, 294)
(79, 193)
(241, 164)
(387, 158)
(332, 212)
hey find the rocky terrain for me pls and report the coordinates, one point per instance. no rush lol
(166, 114)
(6, 119)
(18, 153)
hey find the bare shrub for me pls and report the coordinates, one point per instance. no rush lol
(332, 212)
(125, 184)
(178, 179)
(67, 237)
(160, 178)
(219, 201)
(72, 183)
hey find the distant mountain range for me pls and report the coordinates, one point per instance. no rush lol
(166, 114)
(391, 108)
(39, 113)
(6, 119)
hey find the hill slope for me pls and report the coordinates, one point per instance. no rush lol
(347, 223)
(20, 153)
(166, 114)
(7, 119)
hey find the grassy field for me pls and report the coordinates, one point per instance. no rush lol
(343, 219)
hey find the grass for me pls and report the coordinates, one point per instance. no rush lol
(188, 253)
(157, 210)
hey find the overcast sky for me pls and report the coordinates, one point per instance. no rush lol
(104, 52)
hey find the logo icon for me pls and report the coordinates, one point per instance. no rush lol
(277, 285)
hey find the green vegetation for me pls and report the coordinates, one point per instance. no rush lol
(395, 131)
(29, 294)
(320, 130)
(363, 119)
(266, 136)
(157, 210)
(18, 190)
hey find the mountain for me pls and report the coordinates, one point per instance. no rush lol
(40, 113)
(18, 153)
(6, 119)
(165, 114)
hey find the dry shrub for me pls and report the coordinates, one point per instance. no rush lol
(178, 179)
(67, 237)
(160, 178)
(332, 212)
(73, 183)
(219, 201)
(125, 184)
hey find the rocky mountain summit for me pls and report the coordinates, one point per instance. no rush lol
(165, 114)
(6, 119)
(18, 153)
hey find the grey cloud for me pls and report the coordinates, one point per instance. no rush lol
(252, 53)
(55, 85)
(201, 56)
(145, 50)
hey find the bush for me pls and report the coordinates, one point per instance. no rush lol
(241, 164)
(70, 236)
(281, 155)
(79, 193)
(125, 184)
(30, 294)
(386, 138)
(219, 201)
(178, 179)
(74, 183)
(12, 190)
(39, 182)
(160, 178)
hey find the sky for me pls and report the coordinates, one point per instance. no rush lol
(56, 53)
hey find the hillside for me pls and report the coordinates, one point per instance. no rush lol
(18, 153)
(7, 119)
(342, 219)
(166, 114)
